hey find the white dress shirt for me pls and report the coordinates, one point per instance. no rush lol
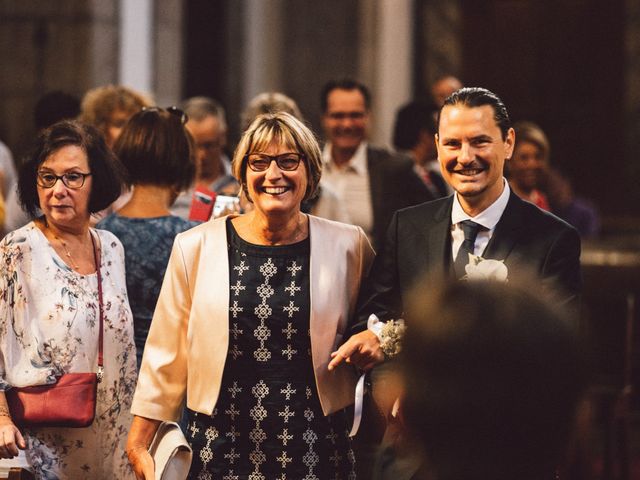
(488, 218)
(351, 183)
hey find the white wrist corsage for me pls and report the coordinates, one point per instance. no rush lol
(389, 333)
(480, 268)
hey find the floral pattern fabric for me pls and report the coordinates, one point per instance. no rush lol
(50, 325)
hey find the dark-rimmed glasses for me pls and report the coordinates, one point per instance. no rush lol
(259, 162)
(73, 180)
(173, 110)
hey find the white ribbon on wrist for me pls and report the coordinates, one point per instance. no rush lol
(357, 408)
(374, 325)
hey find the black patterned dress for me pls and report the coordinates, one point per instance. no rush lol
(268, 423)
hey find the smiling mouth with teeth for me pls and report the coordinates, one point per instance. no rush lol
(469, 171)
(274, 190)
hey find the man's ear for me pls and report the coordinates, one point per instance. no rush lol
(510, 142)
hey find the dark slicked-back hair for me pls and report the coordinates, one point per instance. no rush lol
(156, 149)
(344, 84)
(493, 373)
(477, 97)
(107, 174)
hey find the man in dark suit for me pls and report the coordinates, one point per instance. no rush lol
(483, 220)
(372, 182)
(482, 224)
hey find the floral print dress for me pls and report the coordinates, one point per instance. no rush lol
(49, 325)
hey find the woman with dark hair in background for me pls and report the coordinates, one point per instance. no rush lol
(50, 304)
(156, 150)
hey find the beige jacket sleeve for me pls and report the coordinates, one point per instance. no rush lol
(163, 374)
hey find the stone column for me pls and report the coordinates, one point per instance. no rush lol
(387, 61)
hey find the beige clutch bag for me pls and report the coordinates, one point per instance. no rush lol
(170, 452)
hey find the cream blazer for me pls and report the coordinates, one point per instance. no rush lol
(188, 340)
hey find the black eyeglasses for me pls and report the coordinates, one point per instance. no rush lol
(184, 118)
(73, 180)
(259, 162)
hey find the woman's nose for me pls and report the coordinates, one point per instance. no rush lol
(273, 171)
(59, 188)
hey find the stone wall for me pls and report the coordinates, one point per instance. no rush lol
(67, 45)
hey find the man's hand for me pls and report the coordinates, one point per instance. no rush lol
(362, 350)
(10, 438)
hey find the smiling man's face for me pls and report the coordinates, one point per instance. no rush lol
(346, 121)
(472, 153)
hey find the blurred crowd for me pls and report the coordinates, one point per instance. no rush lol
(531, 173)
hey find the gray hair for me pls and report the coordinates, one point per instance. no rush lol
(269, 102)
(198, 108)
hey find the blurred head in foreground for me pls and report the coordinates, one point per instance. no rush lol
(492, 375)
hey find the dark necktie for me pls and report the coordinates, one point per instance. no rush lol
(470, 230)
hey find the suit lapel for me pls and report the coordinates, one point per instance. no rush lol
(375, 184)
(507, 231)
(437, 234)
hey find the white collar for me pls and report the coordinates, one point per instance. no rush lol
(357, 163)
(489, 217)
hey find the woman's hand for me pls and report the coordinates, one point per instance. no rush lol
(140, 437)
(362, 349)
(141, 462)
(10, 438)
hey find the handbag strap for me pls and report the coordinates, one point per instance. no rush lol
(96, 258)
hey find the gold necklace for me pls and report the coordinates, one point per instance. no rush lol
(67, 252)
(64, 246)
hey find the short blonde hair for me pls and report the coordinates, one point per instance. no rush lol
(283, 129)
(99, 103)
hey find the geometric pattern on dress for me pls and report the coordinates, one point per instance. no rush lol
(290, 309)
(310, 458)
(257, 435)
(206, 454)
(241, 268)
(264, 311)
(235, 331)
(269, 308)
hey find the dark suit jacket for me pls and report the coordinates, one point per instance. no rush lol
(418, 243)
(394, 185)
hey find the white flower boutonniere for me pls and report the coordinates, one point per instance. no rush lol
(392, 334)
(389, 333)
(480, 268)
